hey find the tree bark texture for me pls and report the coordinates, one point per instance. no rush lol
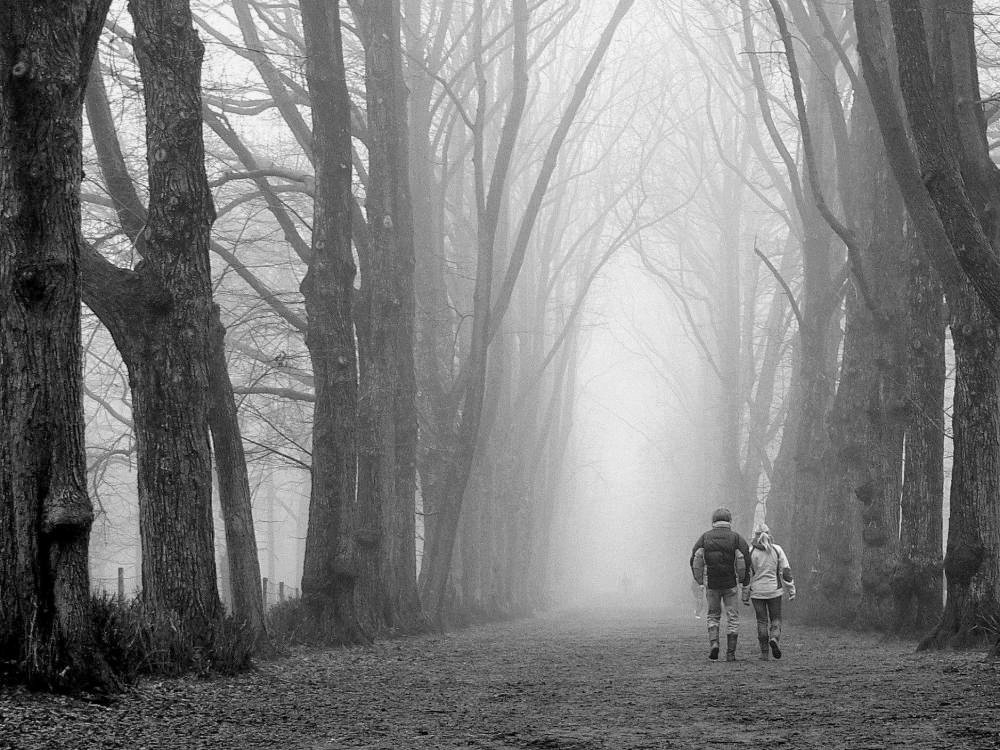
(943, 189)
(46, 50)
(168, 352)
(235, 498)
(330, 568)
(950, 139)
(102, 283)
(962, 181)
(387, 399)
(917, 582)
(869, 414)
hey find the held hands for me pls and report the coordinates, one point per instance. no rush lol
(790, 588)
(746, 596)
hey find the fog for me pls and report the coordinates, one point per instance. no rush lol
(648, 230)
(640, 474)
(633, 496)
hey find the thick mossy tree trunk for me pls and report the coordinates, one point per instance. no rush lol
(917, 580)
(168, 352)
(387, 400)
(330, 571)
(46, 50)
(46, 514)
(867, 419)
(877, 328)
(952, 148)
(113, 294)
(951, 193)
(801, 484)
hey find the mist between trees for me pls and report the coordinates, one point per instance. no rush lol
(444, 312)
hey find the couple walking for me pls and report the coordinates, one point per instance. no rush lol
(720, 560)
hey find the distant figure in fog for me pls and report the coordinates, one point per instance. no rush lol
(770, 577)
(722, 550)
(625, 584)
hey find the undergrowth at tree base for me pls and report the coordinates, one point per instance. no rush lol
(129, 640)
(136, 640)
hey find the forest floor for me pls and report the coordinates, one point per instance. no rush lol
(614, 679)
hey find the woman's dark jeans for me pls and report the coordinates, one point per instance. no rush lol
(768, 610)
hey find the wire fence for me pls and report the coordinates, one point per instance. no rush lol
(122, 586)
(273, 593)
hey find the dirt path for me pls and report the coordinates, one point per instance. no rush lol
(568, 680)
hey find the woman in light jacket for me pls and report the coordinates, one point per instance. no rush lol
(770, 577)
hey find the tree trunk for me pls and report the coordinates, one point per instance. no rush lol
(877, 212)
(917, 580)
(732, 395)
(46, 514)
(759, 418)
(800, 477)
(949, 133)
(387, 447)
(100, 284)
(167, 353)
(330, 568)
(234, 490)
(433, 356)
(541, 576)
(438, 555)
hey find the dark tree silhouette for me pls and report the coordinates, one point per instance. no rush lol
(46, 51)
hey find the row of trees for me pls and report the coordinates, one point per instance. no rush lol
(346, 304)
(865, 131)
(916, 188)
(352, 242)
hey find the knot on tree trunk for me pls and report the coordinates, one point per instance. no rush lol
(875, 536)
(37, 282)
(367, 538)
(963, 561)
(66, 511)
(867, 492)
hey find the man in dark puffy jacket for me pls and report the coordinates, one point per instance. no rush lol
(722, 550)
